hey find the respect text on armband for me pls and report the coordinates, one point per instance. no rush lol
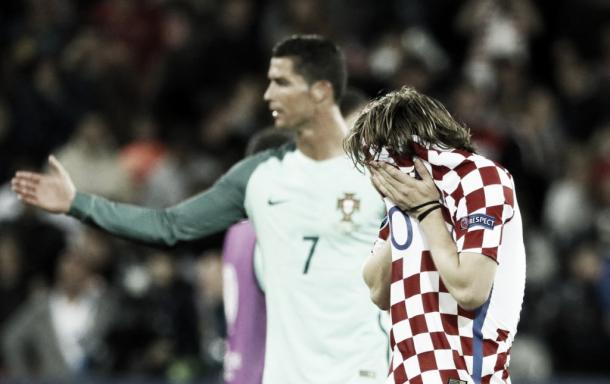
(478, 219)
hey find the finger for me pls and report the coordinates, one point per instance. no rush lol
(29, 199)
(422, 170)
(26, 196)
(395, 175)
(390, 187)
(378, 184)
(29, 176)
(23, 186)
(24, 183)
(56, 166)
(387, 188)
(373, 183)
(21, 193)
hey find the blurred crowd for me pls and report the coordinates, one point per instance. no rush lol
(149, 101)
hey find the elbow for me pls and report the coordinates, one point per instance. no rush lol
(470, 299)
(379, 290)
(170, 241)
(381, 297)
(169, 229)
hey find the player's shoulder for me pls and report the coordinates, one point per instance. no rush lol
(487, 171)
(272, 154)
(252, 162)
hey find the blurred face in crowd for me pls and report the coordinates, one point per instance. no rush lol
(288, 94)
(73, 273)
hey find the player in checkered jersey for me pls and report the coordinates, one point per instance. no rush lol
(450, 261)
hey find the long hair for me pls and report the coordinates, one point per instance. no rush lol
(398, 119)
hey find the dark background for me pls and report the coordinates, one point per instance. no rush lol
(149, 101)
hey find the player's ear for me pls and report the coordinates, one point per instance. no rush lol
(321, 90)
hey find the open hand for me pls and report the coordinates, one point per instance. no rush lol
(405, 191)
(52, 192)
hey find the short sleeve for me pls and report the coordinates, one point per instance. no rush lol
(384, 229)
(384, 234)
(486, 205)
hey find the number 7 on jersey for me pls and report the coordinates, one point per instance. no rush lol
(314, 242)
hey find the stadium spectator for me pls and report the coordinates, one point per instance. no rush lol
(61, 334)
(91, 156)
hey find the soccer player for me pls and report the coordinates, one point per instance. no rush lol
(450, 263)
(314, 215)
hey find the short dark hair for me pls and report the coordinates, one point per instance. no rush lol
(315, 58)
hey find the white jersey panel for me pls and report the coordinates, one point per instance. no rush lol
(315, 222)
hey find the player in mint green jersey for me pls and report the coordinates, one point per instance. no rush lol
(314, 214)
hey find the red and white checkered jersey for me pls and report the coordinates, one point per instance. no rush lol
(433, 340)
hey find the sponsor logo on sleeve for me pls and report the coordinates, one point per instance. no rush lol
(477, 220)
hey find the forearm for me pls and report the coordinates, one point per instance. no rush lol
(124, 220)
(189, 220)
(468, 276)
(465, 278)
(377, 274)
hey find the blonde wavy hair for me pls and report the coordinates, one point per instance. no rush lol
(395, 119)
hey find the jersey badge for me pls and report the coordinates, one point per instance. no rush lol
(478, 219)
(348, 205)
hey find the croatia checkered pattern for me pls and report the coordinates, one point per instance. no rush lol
(433, 340)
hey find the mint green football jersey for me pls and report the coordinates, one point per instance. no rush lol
(315, 224)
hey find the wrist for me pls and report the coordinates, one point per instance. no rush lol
(417, 210)
(70, 200)
(81, 205)
(427, 211)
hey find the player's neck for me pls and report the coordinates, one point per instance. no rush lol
(322, 139)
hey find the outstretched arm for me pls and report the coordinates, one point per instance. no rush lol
(203, 214)
(468, 276)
